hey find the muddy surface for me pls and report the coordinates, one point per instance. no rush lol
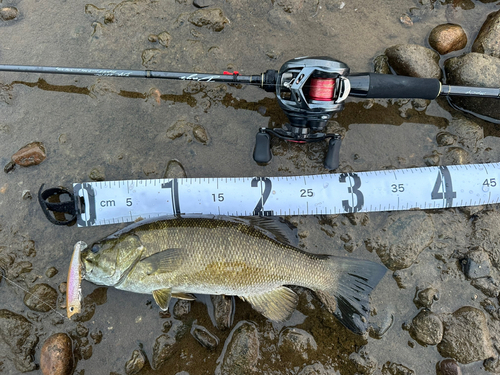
(114, 129)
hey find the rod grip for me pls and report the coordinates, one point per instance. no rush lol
(394, 86)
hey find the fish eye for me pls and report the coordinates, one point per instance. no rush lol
(95, 248)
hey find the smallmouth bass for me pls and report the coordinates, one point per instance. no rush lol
(254, 258)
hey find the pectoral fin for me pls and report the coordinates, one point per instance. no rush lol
(277, 305)
(162, 297)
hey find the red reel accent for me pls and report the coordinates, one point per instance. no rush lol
(322, 89)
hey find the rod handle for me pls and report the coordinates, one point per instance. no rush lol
(390, 86)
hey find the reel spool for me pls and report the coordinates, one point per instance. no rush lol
(310, 91)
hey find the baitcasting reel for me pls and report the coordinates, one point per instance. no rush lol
(310, 91)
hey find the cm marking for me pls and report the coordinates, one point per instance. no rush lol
(108, 203)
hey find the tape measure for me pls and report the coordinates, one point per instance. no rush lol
(111, 202)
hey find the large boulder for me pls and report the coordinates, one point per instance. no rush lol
(475, 69)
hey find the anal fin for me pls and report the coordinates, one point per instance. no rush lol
(162, 297)
(277, 304)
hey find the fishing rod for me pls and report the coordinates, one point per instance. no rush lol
(308, 89)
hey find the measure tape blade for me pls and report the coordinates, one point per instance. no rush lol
(110, 202)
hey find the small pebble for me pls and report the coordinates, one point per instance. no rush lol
(448, 367)
(41, 298)
(200, 134)
(56, 356)
(447, 38)
(51, 272)
(97, 174)
(202, 3)
(164, 38)
(26, 194)
(174, 170)
(204, 337)
(8, 13)
(181, 308)
(135, 363)
(406, 20)
(31, 154)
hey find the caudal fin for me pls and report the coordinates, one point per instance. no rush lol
(356, 279)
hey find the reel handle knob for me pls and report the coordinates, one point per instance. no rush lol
(332, 159)
(262, 151)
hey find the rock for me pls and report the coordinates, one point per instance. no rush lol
(445, 139)
(41, 297)
(163, 350)
(290, 6)
(456, 155)
(426, 297)
(488, 285)
(203, 3)
(242, 350)
(489, 240)
(466, 337)
(175, 170)
(390, 368)
(150, 57)
(381, 65)
(488, 39)
(204, 337)
(164, 38)
(181, 308)
(475, 69)
(135, 363)
(403, 238)
(56, 356)
(448, 367)
(363, 362)
(223, 311)
(414, 61)
(447, 38)
(297, 341)
(18, 334)
(51, 272)
(426, 328)
(200, 134)
(211, 18)
(8, 13)
(476, 264)
(97, 174)
(26, 194)
(314, 369)
(31, 154)
(468, 133)
(432, 159)
(180, 128)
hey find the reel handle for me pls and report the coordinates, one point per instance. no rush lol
(262, 151)
(332, 159)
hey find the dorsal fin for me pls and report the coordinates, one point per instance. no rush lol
(274, 227)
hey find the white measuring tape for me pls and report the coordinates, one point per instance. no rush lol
(111, 202)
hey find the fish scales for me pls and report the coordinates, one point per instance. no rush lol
(235, 256)
(255, 258)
